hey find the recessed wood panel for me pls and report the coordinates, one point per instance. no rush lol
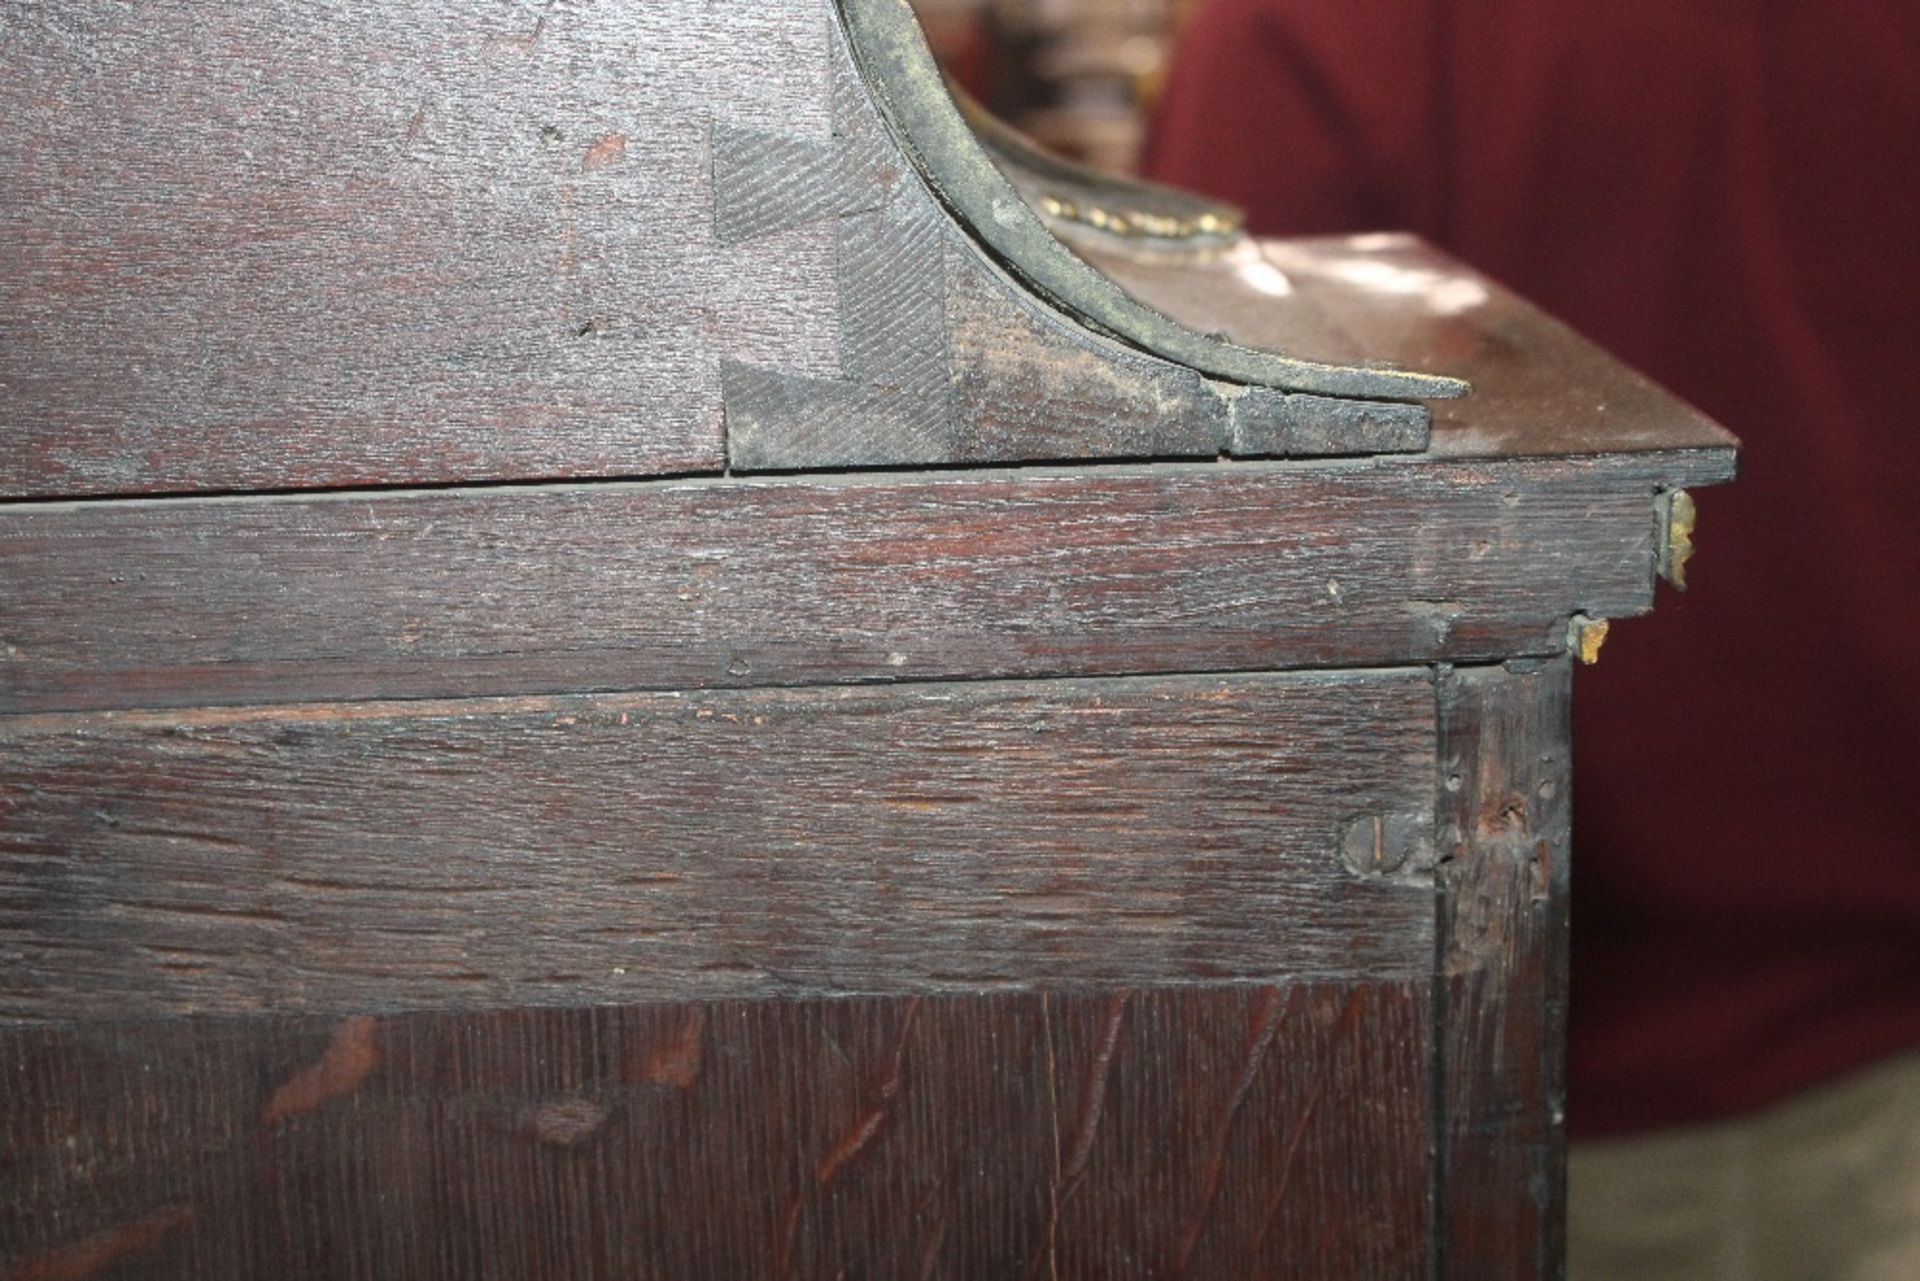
(1204, 1132)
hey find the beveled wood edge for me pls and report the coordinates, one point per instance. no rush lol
(1666, 468)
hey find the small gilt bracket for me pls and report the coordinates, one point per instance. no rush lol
(1586, 636)
(1678, 518)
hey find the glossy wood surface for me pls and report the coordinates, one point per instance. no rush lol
(1540, 389)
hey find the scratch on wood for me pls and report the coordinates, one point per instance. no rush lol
(930, 1256)
(1050, 1251)
(531, 40)
(887, 1087)
(849, 1147)
(350, 1058)
(1094, 1092)
(897, 1061)
(789, 1230)
(87, 1257)
(1266, 1022)
(1298, 1132)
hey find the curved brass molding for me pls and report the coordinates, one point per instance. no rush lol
(906, 84)
(1069, 193)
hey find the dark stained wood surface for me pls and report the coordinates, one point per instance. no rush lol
(687, 584)
(1540, 389)
(959, 837)
(324, 244)
(1501, 1034)
(1190, 1132)
(429, 243)
(815, 877)
(344, 246)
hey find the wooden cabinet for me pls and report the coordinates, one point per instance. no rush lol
(598, 680)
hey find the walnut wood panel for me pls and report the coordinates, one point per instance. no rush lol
(1218, 1132)
(1503, 970)
(559, 851)
(681, 584)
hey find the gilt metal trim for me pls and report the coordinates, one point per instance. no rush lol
(907, 86)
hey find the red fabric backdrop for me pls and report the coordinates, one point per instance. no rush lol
(1723, 192)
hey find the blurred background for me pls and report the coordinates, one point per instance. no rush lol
(1078, 75)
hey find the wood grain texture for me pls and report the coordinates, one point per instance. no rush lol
(1503, 970)
(685, 584)
(1197, 1132)
(942, 358)
(959, 837)
(1030, 385)
(324, 244)
(458, 242)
